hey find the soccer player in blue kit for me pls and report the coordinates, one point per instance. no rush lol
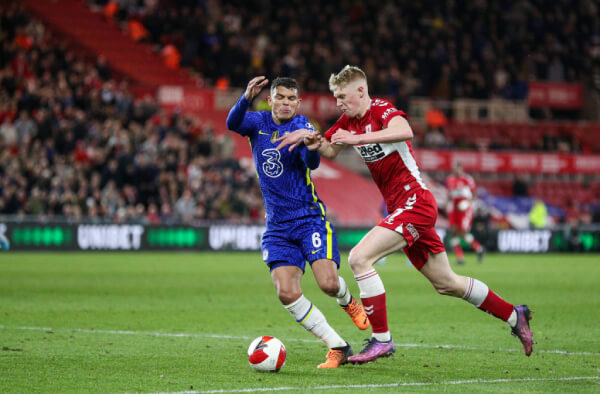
(297, 226)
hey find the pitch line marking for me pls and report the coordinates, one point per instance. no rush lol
(221, 336)
(384, 385)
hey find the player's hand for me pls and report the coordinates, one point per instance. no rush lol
(313, 141)
(342, 136)
(255, 86)
(292, 139)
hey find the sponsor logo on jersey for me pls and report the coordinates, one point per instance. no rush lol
(387, 113)
(272, 166)
(265, 255)
(370, 152)
(413, 231)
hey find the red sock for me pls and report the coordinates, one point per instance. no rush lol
(496, 306)
(458, 250)
(377, 312)
(475, 245)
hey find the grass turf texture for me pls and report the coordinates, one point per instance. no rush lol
(96, 322)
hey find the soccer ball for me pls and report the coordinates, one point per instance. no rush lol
(266, 354)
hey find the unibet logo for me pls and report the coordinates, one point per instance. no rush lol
(111, 237)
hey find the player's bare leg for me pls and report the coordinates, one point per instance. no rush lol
(447, 282)
(286, 280)
(326, 275)
(377, 243)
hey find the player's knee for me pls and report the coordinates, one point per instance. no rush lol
(330, 286)
(357, 261)
(288, 296)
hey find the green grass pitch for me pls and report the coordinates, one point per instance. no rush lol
(181, 322)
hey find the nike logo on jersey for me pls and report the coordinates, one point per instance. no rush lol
(369, 309)
(261, 133)
(316, 251)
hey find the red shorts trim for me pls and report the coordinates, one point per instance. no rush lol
(414, 219)
(462, 220)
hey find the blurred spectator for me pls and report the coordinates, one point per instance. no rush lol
(75, 142)
(520, 187)
(538, 216)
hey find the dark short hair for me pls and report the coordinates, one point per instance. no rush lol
(286, 82)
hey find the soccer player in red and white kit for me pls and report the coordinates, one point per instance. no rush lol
(461, 190)
(381, 134)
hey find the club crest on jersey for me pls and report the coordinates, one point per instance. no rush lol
(272, 166)
(274, 136)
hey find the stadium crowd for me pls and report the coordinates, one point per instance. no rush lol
(75, 142)
(478, 49)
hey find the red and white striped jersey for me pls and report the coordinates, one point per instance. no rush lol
(460, 188)
(392, 165)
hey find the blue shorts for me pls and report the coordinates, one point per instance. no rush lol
(296, 242)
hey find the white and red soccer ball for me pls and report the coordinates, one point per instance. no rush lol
(266, 354)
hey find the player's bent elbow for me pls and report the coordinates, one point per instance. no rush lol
(230, 125)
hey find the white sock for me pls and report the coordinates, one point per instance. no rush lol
(382, 336)
(311, 318)
(512, 320)
(369, 284)
(343, 296)
(469, 238)
(476, 292)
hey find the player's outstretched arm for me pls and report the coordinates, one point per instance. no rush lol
(235, 118)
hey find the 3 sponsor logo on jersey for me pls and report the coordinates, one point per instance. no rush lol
(370, 152)
(272, 166)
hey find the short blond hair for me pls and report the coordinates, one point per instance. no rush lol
(346, 76)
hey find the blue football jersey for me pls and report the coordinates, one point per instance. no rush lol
(284, 177)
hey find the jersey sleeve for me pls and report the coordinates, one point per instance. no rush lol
(384, 111)
(341, 123)
(241, 121)
(310, 158)
(472, 184)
